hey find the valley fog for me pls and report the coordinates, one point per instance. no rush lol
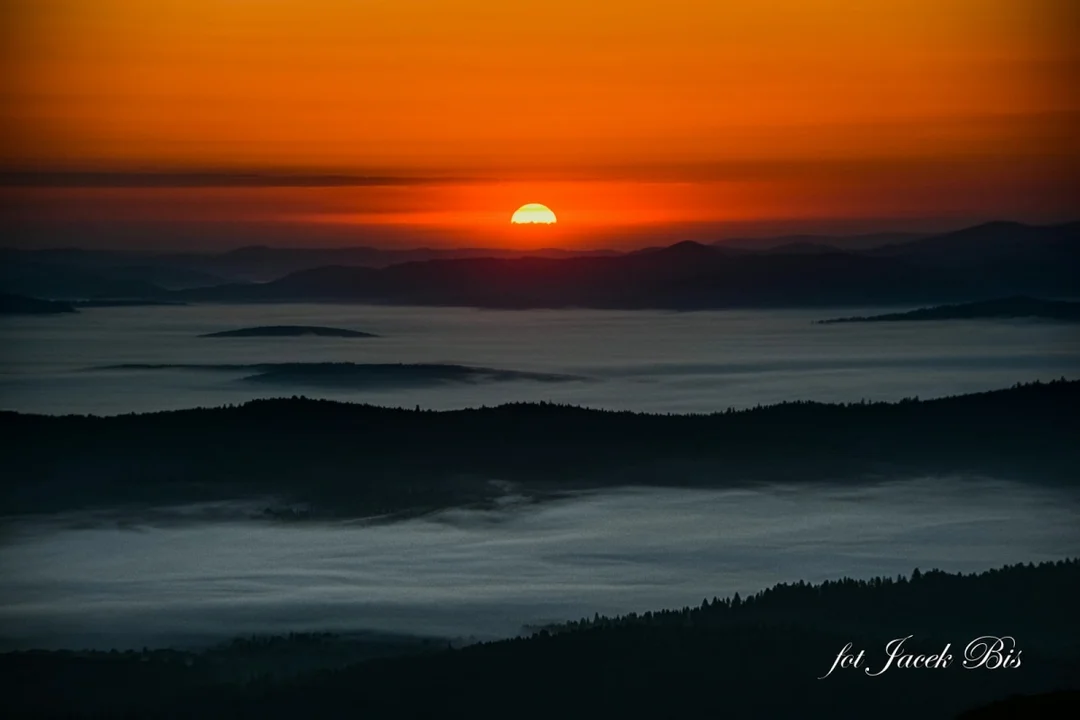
(184, 579)
(147, 359)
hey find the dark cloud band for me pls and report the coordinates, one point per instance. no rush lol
(207, 179)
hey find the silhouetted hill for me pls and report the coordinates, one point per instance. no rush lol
(112, 264)
(166, 276)
(289, 331)
(66, 282)
(256, 263)
(803, 248)
(22, 305)
(259, 263)
(686, 249)
(690, 275)
(1003, 308)
(1002, 258)
(686, 276)
(994, 259)
(848, 243)
(359, 459)
(756, 656)
(94, 682)
(986, 242)
(355, 375)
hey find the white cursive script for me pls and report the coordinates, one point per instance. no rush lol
(989, 652)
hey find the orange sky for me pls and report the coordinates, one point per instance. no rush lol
(634, 113)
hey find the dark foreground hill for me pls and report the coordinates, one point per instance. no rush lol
(767, 655)
(360, 459)
(1001, 308)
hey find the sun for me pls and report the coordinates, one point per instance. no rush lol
(533, 213)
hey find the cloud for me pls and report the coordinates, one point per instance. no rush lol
(207, 179)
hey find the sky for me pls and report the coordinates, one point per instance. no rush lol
(183, 123)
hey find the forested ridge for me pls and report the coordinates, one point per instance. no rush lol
(362, 459)
(759, 655)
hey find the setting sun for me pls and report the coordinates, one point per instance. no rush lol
(533, 213)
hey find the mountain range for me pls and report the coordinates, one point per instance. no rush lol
(990, 260)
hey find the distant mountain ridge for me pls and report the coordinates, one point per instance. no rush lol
(994, 259)
(252, 263)
(984, 242)
(690, 275)
(854, 243)
(1002, 308)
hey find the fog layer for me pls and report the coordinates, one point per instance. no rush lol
(487, 573)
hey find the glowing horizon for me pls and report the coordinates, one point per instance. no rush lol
(425, 114)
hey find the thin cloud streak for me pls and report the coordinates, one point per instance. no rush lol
(209, 179)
